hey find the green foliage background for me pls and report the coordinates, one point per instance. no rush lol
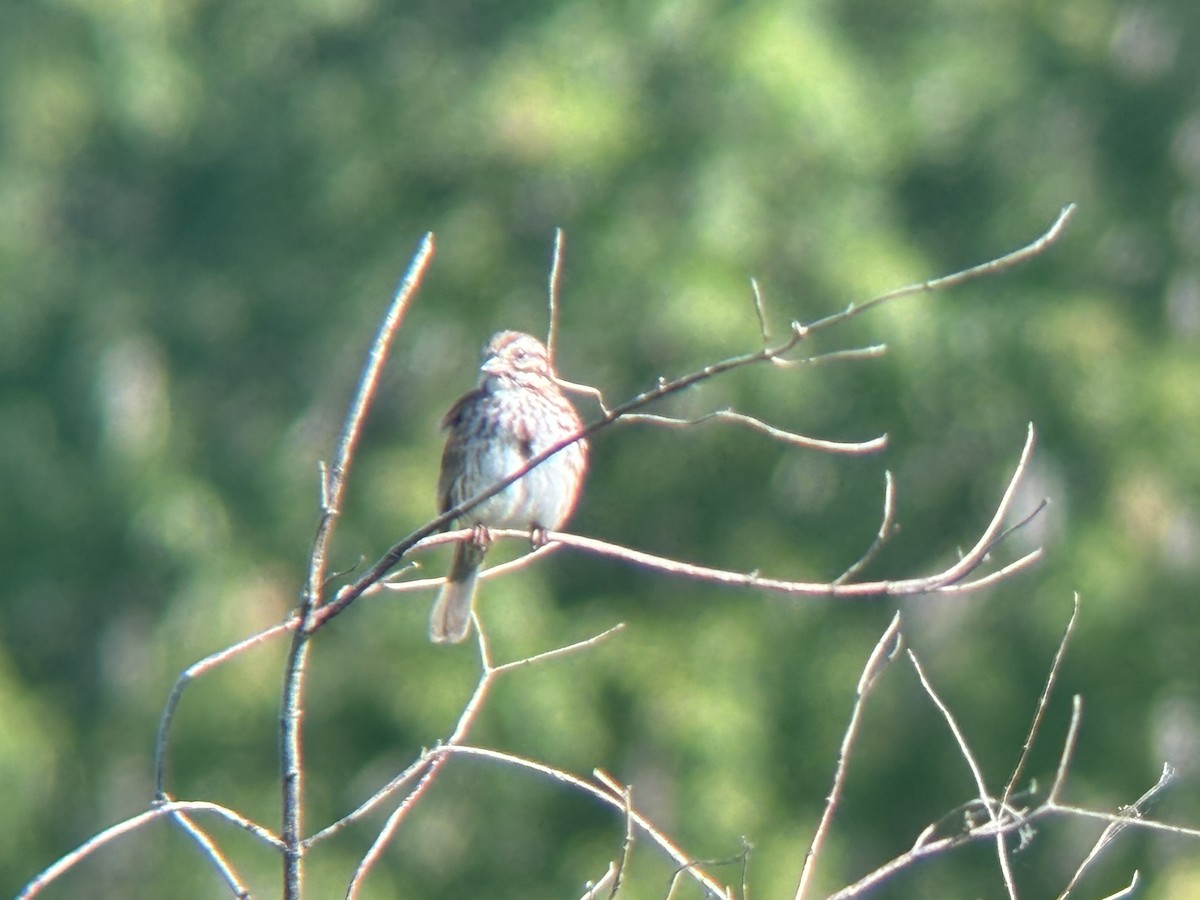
(204, 206)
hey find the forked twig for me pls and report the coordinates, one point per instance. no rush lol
(426, 768)
(886, 649)
(96, 841)
(995, 813)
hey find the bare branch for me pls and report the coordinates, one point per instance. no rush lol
(1081, 812)
(838, 589)
(991, 578)
(399, 781)
(1002, 817)
(315, 611)
(333, 487)
(921, 850)
(364, 395)
(394, 585)
(959, 738)
(885, 651)
(948, 580)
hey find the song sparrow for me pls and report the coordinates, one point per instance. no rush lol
(516, 412)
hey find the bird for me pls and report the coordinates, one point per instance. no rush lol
(516, 411)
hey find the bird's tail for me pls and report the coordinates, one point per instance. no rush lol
(451, 617)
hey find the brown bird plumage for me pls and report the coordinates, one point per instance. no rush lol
(516, 412)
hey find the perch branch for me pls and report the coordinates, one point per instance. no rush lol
(666, 387)
(949, 580)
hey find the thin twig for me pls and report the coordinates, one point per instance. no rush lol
(886, 524)
(787, 437)
(1068, 749)
(394, 584)
(848, 354)
(547, 655)
(415, 768)
(1094, 815)
(983, 581)
(1004, 819)
(314, 612)
(885, 651)
(959, 738)
(760, 311)
(552, 294)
